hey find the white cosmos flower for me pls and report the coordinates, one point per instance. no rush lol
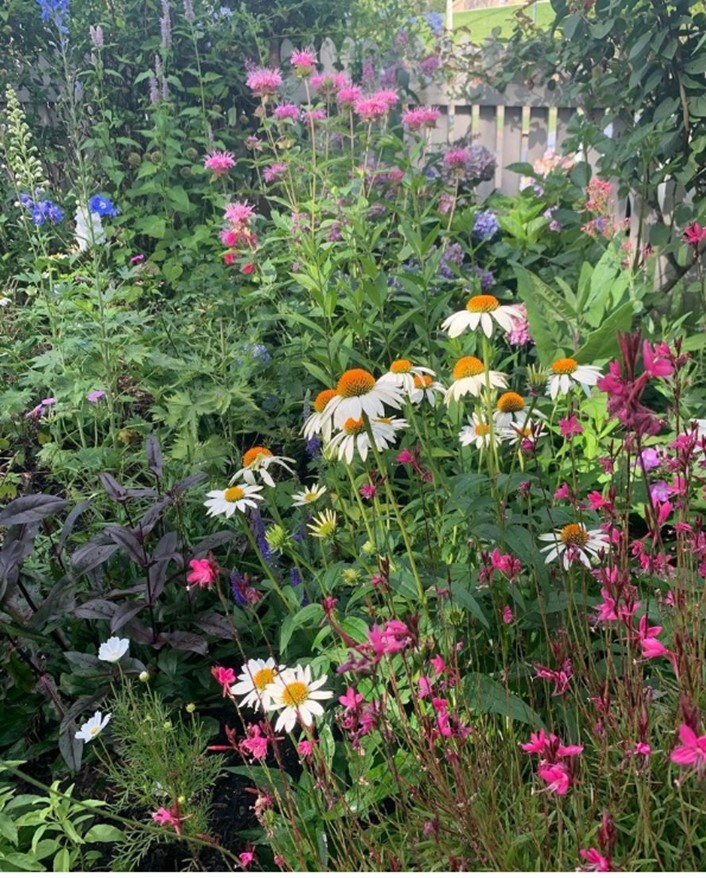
(237, 498)
(477, 432)
(256, 462)
(113, 649)
(255, 682)
(354, 437)
(92, 727)
(565, 372)
(574, 542)
(357, 392)
(469, 377)
(482, 311)
(297, 697)
(311, 495)
(404, 374)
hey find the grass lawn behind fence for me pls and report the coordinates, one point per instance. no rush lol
(482, 21)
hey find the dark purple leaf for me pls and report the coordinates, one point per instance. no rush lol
(218, 539)
(60, 601)
(113, 488)
(127, 540)
(85, 661)
(33, 507)
(186, 483)
(154, 513)
(96, 609)
(165, 549)
(124, 614)
(186, 642)
(71, 520)
(92, 555)
(155, 461)
(139, 633)
(71, 749)
(135, 493)
(215, 625)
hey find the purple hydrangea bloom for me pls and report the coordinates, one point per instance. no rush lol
(485, 225)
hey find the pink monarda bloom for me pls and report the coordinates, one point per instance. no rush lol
(219, 163)
(375, 106)
(274, 173)
(347, 96)
(303, 61)
(264, 82)
(329, 83)
(239, 214)
(204, 572)
(595, 861)
(286, 111)
(456, 159)
(421, 117)
(691, 751)
(317, 115)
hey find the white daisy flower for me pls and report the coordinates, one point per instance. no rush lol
(425, 388)
(358, 393)
(256, 462)
(297, 697)
(574, 542)
(92, 727)
(255, 682)
(237, 498)
(510, 409)
(469, 377)
(316, 422)
(404, 374)
(482, 311)
(565, 372)
(354, 437)
(113, 649)
(311, 495)
(477, 432)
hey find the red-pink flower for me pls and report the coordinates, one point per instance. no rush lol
(225, 678)
(351, 700)
(556, 777)
(540, 742)
(169, 817)
(507, 615)
(658, 360)
(457, 158)
(246, 858)
(219, 163)
(305, 749)
(421, 117)
(274, 173)
(303, 61)
(570, 427)
(264, 82)
(329, 83)
(692, 750)
(596, 862)
(347, 96)
(694, 234)
(204, 572)
(255, 744)
(647, 636)
(316, 115)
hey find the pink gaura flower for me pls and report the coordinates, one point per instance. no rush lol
(438, 664)
(219, 163)
(264, 82)
(595, 861)
(351, 700)
(225, 678)
(286, 111)
(421, 117)
(556, 777)
(247, 858)
(642, 748)
(303, 61)
(657, 360)
(255, 744)
(425, 687)
(540, 742)
(691, 751)
(694, 234)
(204, 572)
(507, 615)
(169, 817)
(647, 637)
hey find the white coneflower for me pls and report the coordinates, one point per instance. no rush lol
(425, 388)
(354, 437)
(482, 311)
(256, 462)
(358, 393)
(510, 409)
(323, 526)
(316, 422)
(236, 498)
(565, 372)
(403, 373)
(574, 542)
(478, 432)
(469, 377)
(294, 693)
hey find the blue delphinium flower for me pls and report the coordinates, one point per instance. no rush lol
(56, 12)
(42, 211)
(102, 205)
(486, 224)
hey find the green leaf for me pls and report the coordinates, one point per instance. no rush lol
(104, 832)
(487, 696)
(311, 614)
(603, 343)
(62, 861)
(8, 829)
(154, 226)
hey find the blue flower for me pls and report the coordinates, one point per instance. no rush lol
(102, 205)
(435, 20)
(486, 224)
(55, 11)
(42, 211)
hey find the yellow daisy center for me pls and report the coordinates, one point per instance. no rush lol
(574, 535)
(253, 456)
(510, 402)
(467, 367)
(311, 495)
(401, 366)
(353, 426)
(564, 366)
(482, 429)
(263, 678)
(355, 382)
(232, 495)
(295, 694)
(479, 304)
(323, 399)
(421, 382)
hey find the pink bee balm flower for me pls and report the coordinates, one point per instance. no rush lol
(274, 173)
(570, 427)
(317, 115)
(303, 61)
(692, 750)
(596, 862)
(420, 117)
(219, 163)
(457, 158)
(264, 82)
(347, 96)
(239, 213)
(556, 778)
(373, 107)
(329, 83)
(204, 572)
(225, 677)
(286, 111)
(305, 749)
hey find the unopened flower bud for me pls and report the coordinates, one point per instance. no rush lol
(144, 677)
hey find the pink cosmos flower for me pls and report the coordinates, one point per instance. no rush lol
(264, 82)
(239, 214)
(596, 862)
(421, 117)
(286, 111)
(225, 678)
(219, 163)
(556, 777)
(692, 750)
(204, 572)
(274, 173)
(303, 61)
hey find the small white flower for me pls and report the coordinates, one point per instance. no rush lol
(113, 649)
(565, 372)
(354, 437)
(574, 542)
(256, 462)
(5, 301)
(89, 229)
(255, 682)
(311, 495)
(237, 498)
(297, 697)
(477, 432)
(482, 311)
(93, 727)
(358, 393)
(469, 377)
(404, 374)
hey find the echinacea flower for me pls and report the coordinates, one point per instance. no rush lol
(479, 432)
(510, 409)
(481, 311)
(256, 463)
(219, 163)
(574, 542)
(92, 727)
(354, 436)
(255, 681)
(358, 393)
(565, 372)
(470, 377)
(311, 495)
(425, 388)
(323, 526)
(294, 693)
(113, 649)
(236, 498)
(403, 372)
(316, 422)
